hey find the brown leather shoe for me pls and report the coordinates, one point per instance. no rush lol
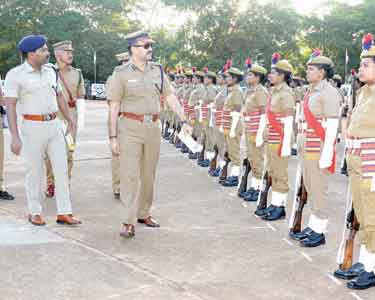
(149, 222)
(36, 220)
(127, 230)
(67, 220)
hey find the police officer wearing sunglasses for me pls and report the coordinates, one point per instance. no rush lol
(134, 93)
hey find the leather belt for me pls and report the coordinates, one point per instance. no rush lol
(147, 118)
(40, 118)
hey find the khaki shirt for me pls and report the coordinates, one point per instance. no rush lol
(188, 88)
(138, 91)
(220, 97)
(35, 90)
(73, 78)
(180, 92)
(324, 101)
(362, 123)
(197, 94)
(283, 99)
(234, 99)
(256, 98)
(211, 93)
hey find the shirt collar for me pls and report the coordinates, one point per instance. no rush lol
(134, 67)
(320, 86)
(280, 87)
(29, 68)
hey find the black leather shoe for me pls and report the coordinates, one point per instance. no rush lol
(4, 195)
(193, 155)
(299, 236)
(313, 240)
(276, 214)
(204, 163)
(364, 281)
(247, 193)
(253, 197)
(351, 273)
(231, 181)
(262, 212)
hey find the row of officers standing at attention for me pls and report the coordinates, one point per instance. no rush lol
(275, 112)
(277, 115)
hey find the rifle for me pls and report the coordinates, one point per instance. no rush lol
(201, 154)
(263, 195)
(300, 199)
(224, 171)
(213, 162)
(245, 176)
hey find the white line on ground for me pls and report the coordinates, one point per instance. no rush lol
(271, 227)
(288, 242)
(334, 279)
(232, 194)
(355, 296)
(113, 296)
(306, 256)
(244, 204)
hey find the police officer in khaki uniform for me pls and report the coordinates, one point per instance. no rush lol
(188, 88)
(232, 126)
(280, 113)
(35, 89)
(4, 195)
(207, 103)
(134, 92)
(321, 112)
(122, 59)
(254, 114)
(218, 133)
(73, 88)
(196, 96)
(361, 166)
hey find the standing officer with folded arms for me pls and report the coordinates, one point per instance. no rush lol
(134, 92)
(34, 88)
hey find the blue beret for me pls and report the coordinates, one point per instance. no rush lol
(31, 43)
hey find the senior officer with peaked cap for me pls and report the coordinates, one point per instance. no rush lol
(134, 93)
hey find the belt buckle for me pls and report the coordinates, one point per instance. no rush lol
(48, 117)
(147, 119)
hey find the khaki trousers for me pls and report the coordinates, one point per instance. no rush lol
(219, 141)
(115, 163)
(316, 183)
(233, 146)
(39, 139)
(139, 152)
(277, 168)
(207, 136)
(363, 202)
(255, 155)
(50, 177)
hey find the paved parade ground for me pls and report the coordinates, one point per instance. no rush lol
(210, 245)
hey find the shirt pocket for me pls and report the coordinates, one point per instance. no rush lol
(135, 88)
(31, 86)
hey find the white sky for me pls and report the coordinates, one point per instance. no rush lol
(155, 14)
(306, 7)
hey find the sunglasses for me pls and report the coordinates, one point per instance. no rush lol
(145, 46)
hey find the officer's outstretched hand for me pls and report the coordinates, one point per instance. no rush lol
(187, 129)
(16, 146)
(115, 149)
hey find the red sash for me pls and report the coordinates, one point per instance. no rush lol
(275, 124)
(313, 123)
